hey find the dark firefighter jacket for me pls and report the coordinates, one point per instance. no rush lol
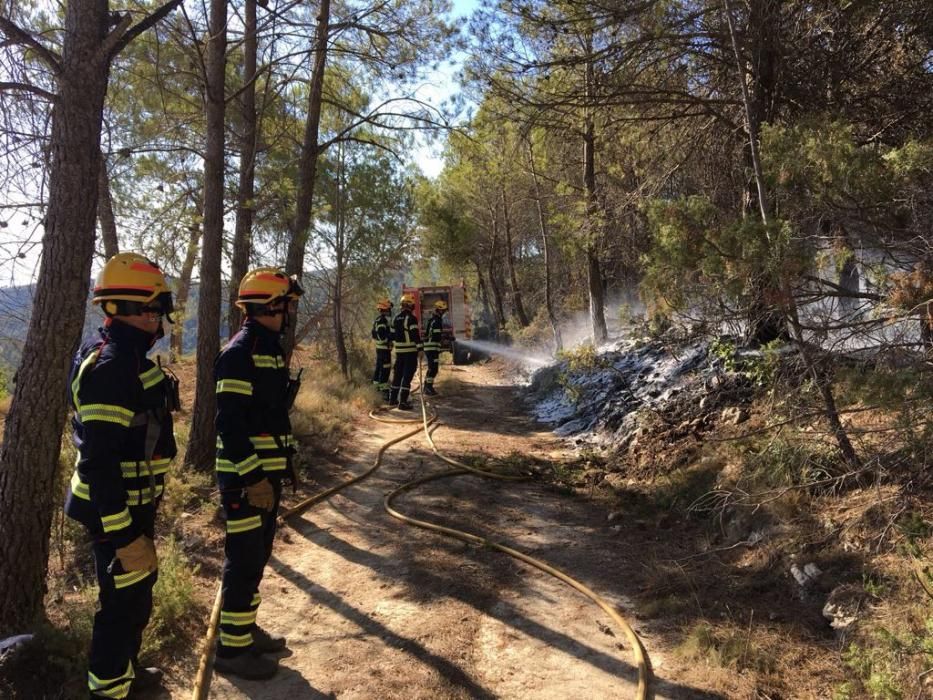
(433, 332)
(405, 335)
(381, 332)
(123, 431)
(254, 437)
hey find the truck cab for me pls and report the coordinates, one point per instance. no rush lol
(457, 324)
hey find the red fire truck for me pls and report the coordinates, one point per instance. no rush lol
(457, 326)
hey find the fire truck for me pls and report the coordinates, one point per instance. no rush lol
(457, 325)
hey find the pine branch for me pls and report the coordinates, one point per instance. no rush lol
(18, 35)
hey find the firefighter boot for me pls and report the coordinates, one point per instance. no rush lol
(404, 406)
(249, 665)
(146, 679)
(386, 396)
(429, 390)
(265, 643)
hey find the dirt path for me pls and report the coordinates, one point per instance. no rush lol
(373, 608)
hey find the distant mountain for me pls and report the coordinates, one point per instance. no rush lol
(16, 308)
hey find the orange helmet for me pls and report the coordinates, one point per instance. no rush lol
(266, 285)
(440, 305)
(130, 282)
(383, 305)
(407, 300)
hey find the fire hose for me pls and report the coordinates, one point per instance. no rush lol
(428, 424)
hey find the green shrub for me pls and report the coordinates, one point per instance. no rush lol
(173, 597)
(782, 462)
(724, 648)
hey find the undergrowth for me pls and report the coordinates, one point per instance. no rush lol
(327, 405)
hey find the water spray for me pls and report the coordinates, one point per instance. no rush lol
(505, 351)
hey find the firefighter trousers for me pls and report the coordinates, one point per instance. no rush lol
(125, 605)
(432, 356)
(381, 374)
(406, 364)
(247, 548)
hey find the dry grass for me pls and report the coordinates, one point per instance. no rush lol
(327, 405)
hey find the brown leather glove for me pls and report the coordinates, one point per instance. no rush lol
(261, 495)
(138, 555)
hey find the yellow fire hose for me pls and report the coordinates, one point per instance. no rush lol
(207, 650)
(638, 650)
(428, 425)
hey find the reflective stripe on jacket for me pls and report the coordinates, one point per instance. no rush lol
(123, 431)
(254, 437)
(433, 331)
(381, 332)
(405, 335)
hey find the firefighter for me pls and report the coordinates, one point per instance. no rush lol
(254, 394)
(407, 343)
(433, 333)
(123, 433)
(382, 334)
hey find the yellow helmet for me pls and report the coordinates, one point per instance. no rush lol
(266, 285)
(383, 305)
(440, 305)
(407, 300)
(129, 282)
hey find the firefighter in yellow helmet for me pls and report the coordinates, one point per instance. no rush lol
(406, 340)
(433, 334)
(382, 337)
(123, 430)
(255, 447)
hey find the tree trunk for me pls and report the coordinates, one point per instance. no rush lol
(498, 308)
(764, 31)
(340, 343)
(484, 292)
(182, 291)
(307, 164)
(542, 228)
(201, 444)
(510, 264)
(29, 456)
(765, 321)
(594, 279)
(108, 223)
(245, 205)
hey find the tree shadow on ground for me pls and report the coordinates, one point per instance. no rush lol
(425, 581)
(288, 683)
(452, 673)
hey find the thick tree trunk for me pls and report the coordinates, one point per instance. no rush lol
(201, 444)
(340, 343)
(498, 308)
(763, 29)
(484, 292)
(29, 457)
(594, 279)
(182, 291)
(108, 223)
(545, 247)
(242, 235)
(307, 164)
(514, 287)
(766, 322)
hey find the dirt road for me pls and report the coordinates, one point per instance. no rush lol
(373, 608)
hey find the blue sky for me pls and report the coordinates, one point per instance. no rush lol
(438, 87)
(21, 237)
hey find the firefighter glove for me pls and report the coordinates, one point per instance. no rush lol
(138, 555)
(261, 495)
